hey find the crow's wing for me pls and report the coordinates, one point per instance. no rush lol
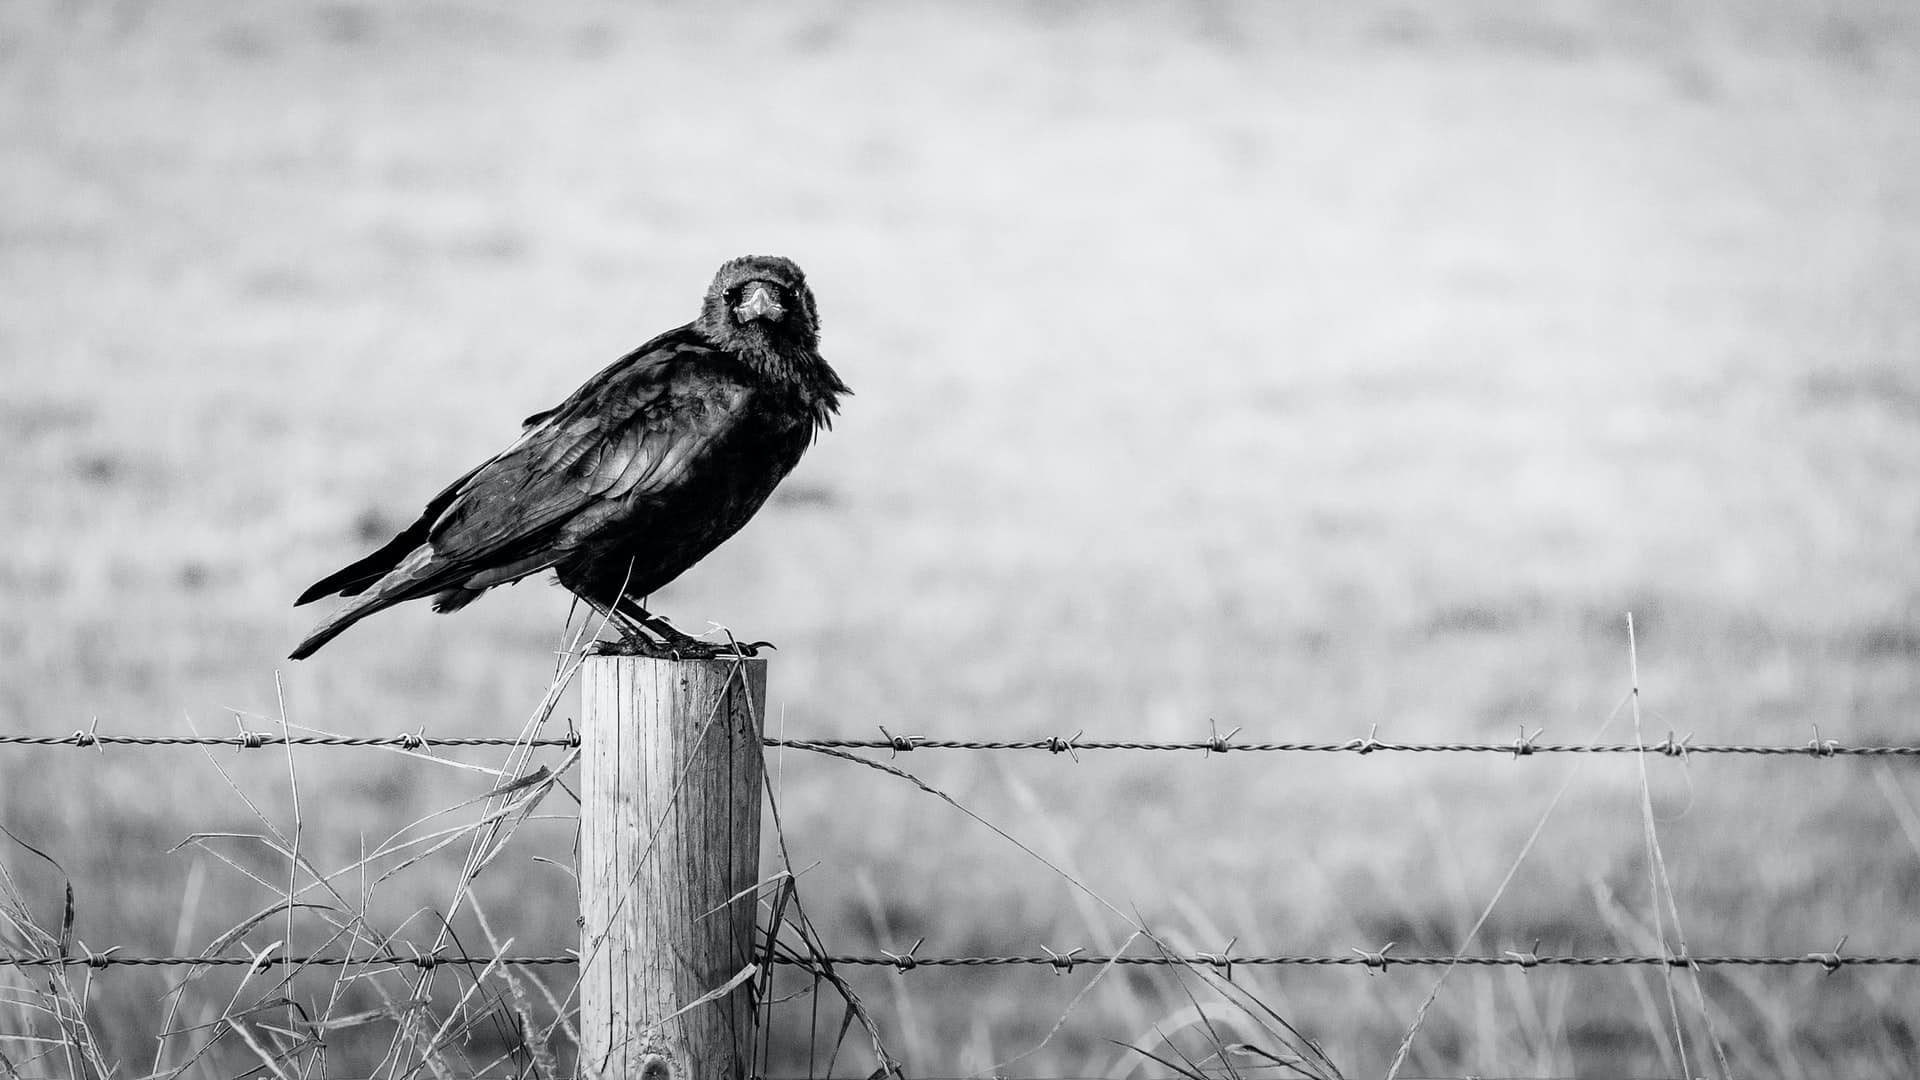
(632, 381)
(633, 430)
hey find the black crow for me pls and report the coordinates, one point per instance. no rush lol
(631, 480)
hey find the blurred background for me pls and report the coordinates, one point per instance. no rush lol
(1299, 368)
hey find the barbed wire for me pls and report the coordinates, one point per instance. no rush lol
(1672, 745)
(256, 740)
(1523, 745)
(1060, 962)
(110, 958)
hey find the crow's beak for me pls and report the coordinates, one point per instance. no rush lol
(759, 304)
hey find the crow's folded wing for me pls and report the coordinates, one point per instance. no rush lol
(633, 430)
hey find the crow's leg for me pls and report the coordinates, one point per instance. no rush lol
(675, 643)
(633, 635)
(643, 633)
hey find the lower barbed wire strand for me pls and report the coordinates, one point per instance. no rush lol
(1355, 746)
(1830, 961)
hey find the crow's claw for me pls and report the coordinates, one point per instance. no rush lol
(745, 650)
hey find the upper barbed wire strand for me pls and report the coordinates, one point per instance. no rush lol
(1519, 747)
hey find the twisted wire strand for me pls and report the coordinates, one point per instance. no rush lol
(255, 740)
(109, 959)
(1370, 960)
(1519, 747)
(1057, 961)
(1524, 746)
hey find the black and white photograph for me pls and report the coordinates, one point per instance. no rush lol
(990, 539)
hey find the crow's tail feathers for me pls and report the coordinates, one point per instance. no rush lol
(372, 591)
(356, 577)
(336, 623)
(351, 580)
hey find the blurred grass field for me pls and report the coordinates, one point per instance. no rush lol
(1296, 367)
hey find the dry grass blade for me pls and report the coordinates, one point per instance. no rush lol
(57, 1000)
(1181, 1068)
(1903, 808)
(1240, 1005)
(788, 911)
(534, 1037)
(1201, 1014)
(1292, 1064)
(891, 770)
(1138, 926)
(1539, 826)
(358, 1019)
(226, 940)
(1662, 885)
(486, 835)
(1307, 1057)
(715, 994)
(268, 1058)
(1066, 1013)
(294, 1048)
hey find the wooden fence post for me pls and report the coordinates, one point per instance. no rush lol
(669, 854)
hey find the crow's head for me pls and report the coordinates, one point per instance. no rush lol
(760, 306)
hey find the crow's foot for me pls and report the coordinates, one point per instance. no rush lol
(680, 647)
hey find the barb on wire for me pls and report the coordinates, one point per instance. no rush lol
(1524, 744)
(1528, 959)
(898, 744)
(1375, 961)
(1058, 961)
(1217, 743)
(99, 961)
(905, 961)
(88, 737)
(1063, 961)
(1820, 747)
(1069, 746)
(1221, 961)
(1831, 960)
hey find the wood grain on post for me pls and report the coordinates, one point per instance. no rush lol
(669, 854)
